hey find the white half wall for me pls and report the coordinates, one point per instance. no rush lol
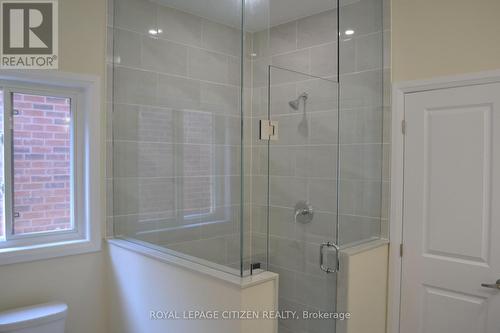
(140, 284)
(363, 288)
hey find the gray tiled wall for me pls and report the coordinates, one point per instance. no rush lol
(176, 125)
(386, 174)
(302, 163)
(362, 121)
(174, 113)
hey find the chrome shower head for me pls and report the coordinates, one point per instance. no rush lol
(296, 102)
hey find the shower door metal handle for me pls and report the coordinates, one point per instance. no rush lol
(321, 260)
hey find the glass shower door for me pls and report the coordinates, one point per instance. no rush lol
(302, 128)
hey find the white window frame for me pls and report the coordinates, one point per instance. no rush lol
(86, 168)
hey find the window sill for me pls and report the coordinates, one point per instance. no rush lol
(21, 254)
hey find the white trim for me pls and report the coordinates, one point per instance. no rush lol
(397, 172)
(47, 251)
(89, 170)
(396, 211)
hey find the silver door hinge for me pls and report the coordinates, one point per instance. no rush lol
(401, 250)
(268, 130)
(403, 127)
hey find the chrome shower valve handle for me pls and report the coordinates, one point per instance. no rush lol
(304, 212)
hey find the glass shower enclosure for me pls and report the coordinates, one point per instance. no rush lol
(247, 135)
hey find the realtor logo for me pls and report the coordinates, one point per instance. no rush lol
(29, 34)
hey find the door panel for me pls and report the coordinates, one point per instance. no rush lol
(451, 211)
(457, 157)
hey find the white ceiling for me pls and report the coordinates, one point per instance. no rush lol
(259, 14)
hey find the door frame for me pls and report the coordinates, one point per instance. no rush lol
(399, 91)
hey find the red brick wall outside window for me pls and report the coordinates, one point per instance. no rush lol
(42, 163)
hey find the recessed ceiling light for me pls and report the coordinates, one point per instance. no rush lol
(349, 32)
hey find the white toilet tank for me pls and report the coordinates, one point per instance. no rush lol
(42, 318)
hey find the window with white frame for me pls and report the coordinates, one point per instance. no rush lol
(45, 168)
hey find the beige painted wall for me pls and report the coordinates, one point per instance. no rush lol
(76, 280)
(444, 37)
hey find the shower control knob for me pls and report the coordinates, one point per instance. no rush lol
(303, 212)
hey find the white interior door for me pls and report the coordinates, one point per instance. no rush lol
(451, 219)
